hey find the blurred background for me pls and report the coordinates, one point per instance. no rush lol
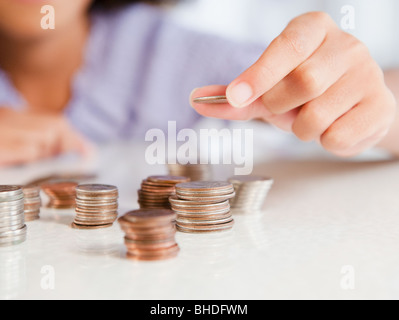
(260, 21)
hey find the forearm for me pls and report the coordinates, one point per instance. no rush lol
(391, 141)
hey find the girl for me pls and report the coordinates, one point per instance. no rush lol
(112, 73)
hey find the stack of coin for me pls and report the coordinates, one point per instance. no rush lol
(96, 206)
(61, 194)
(12, 222)
(32, 202)
(150, 234)
(196, 172)
(251, 192)
(156, 190)
(203, 206)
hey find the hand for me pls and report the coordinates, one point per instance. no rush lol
(26, 137)
(316, 81)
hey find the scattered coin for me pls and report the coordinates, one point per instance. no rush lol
(211, 100)
(251, 192)
(96, 206)
(150, 234)
(79, 177)
(61, 194)
(12, 221)
(203, 206)
(156, 190)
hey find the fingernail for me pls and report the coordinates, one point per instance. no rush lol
(191, 96)
(240, 94)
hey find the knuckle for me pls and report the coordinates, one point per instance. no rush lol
(391, 106)
(302, 132)
(335, 141)
(357, 46)
(307, 81)
(293, 40)
(309, 124)
(321, 17)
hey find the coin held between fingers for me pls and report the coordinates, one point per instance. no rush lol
(211, 100)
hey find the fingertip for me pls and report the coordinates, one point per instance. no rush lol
(192, 96)
(240, 94)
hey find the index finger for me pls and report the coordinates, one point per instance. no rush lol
(302, 37)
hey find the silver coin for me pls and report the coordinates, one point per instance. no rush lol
(95, 211)
(16, 199)
(175, 201)
(211, 100)
(11, 215)
(251, 192)
(95, 188)
(203, 186)
(94, 223)
(10, 228)
(10, 189)
(206, 193)
(19, 224)
(206, 229)
(202, 213)
(208, 199)
(14, 233)
(187, 222)
(95, 218)
(6, 209)
(97, 202)
(16, 217)
(12, 241)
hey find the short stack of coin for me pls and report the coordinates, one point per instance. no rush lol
(196, 172)
(150, 234)
(12, 223)
(96, 206)
(251, 192)
(61, 194)
(156, 190)
(203, 206)
(32, 201)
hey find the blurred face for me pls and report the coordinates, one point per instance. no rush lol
(21, 19)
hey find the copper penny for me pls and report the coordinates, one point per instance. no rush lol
(86, 227)
(147, 215)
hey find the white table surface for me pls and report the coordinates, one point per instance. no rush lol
(321, 215)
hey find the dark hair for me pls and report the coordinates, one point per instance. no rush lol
(108, 4)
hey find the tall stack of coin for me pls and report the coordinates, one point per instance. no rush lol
(196, 172)
(150, 234)
(203, 206)
(96, 206)
(32, 201)
(12, 222)
(251, 192)
(61, 194)
(156, 190)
